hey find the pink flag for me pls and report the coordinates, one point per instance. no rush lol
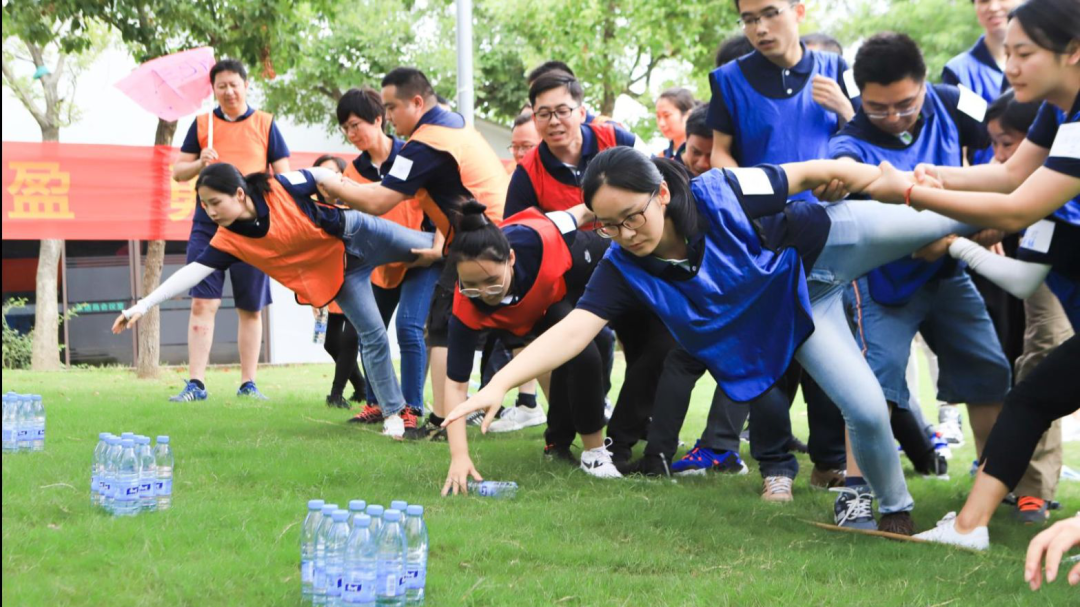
(171, 86)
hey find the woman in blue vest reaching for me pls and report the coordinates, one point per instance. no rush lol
(742, 289)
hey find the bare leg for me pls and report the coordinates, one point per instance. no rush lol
(982, 416)
(986, 496)
(201, 335)
(249, 340)
(592, 441)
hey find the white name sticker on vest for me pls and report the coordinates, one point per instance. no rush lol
(1067, 142)
(295, 177)
(971, 103)
(849, 82)
(1038, 237)
(754, 182)
(401, 169)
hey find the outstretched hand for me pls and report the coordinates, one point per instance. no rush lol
(1054, 543)
(891, 186)
(833, 191)
(123, 323)
(457, 479)
(484, 399)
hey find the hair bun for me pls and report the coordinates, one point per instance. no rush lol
(472, 216)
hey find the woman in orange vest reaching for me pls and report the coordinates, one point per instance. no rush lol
(320, 252)
(519, 280)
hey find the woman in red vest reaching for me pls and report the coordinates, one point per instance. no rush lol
(320, 252)
(519, 280)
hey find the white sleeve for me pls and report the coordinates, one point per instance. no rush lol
(322, 175)
(563, 220)
(1019, 278)
(182, 280)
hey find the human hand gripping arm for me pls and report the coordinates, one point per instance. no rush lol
(551, 350)
(425, 258)
(814, 174)
(184, 279)
(1001, 178)
(370, 198)
(461, 465)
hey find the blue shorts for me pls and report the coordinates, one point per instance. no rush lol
(250, 287)
(952, 317)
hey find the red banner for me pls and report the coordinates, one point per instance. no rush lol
(97, 192)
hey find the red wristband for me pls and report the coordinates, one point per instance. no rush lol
(907, 195)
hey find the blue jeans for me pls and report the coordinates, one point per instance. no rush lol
(863, 236)
(412, 301)
(374, 242)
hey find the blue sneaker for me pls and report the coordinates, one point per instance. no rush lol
(249, 390)
(854, 508)
(701, 460)
(191, 393)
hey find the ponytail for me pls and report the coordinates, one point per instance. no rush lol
(477, 237)
(226, 179)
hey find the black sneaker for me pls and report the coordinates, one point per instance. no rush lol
(560, 454)
(621, 458)
(899, 523)
(416, 427)
(358, 398)
(649, 466)
(337, 402)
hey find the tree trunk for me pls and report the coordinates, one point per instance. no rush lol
(148, 362)
(46, 341)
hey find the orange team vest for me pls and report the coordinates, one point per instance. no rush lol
(553, 194)
(482, 172)
(408, 214)
(548, 289)
(242, 144)
(295, 252)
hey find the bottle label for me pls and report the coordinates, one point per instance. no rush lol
(146, 489)
(39, 433)
(126, 492)
(356, 590)
(333, 584)
(95, 484)
(7, 435)
(307, 572)
(319, 578)
(22, 434)
(392, 585)
(163, 488)
(106, 488)
(415, 576)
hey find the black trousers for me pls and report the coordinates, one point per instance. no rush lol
(646, 344)
(576, 405)
(343, 343)
(1048, 393)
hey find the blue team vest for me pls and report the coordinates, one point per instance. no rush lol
(894, 284)
(777, 131)
(746, 311)
(984, 79)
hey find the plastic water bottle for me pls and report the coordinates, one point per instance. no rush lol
(307, 547)
(336, 541)
(321, 320)
(97, 469)
(147, 474)
(37, 413)
(493, 489)
(127, 481)
(24, 427)
(358, 584)
(356, 508)
(390, 568)
(10, 446)
(318, 583)
(416, 546)
(112, 459)
(375, 511)
(163, 459)
(400, 506)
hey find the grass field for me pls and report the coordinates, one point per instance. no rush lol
(245, 470)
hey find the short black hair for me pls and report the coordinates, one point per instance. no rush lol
(228, 65)
(409, 82)
(889, 57)
(733, 48)
(442, 100)
(522, 118)
(680, 97)
(340, 162)
(697, 124)
(791, 1)
(364, 103)
(1051, 24)
(553, 80)
(548, 66)
(1012, 114)
(824, 41)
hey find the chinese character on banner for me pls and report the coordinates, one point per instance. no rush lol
(182, 200)
(40, 191)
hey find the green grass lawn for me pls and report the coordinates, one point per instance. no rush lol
(245, 469)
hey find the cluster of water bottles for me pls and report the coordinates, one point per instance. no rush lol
(24, 423)
(366, 555)
(127, 476)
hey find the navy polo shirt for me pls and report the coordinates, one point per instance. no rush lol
(768, 79)
(609, 295)
(375, 174)
(1045, 129)
(981, 53)
(521, 195)
(302, 187)
(432, 170)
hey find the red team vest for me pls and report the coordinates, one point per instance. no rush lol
(552, 193)
(295, 252)
(548, 289)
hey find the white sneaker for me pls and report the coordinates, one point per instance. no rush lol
(946, 533)
(597, 462)
(609, 410)
(394, 427)
(951, 425)
(518, 418)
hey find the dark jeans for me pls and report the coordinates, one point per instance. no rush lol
(342, 343)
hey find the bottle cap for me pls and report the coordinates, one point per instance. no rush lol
(392, 516)
(127, 443)
(362, 520)
(375, 510)
(315, 505)
(415, 511)
(328, 509)
(357, 505)
(163, 440)
(142, 440)
(103, 435)
(399, 505)
(340, 516)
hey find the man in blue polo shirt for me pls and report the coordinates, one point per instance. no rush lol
(907, 121)
(250, 140)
